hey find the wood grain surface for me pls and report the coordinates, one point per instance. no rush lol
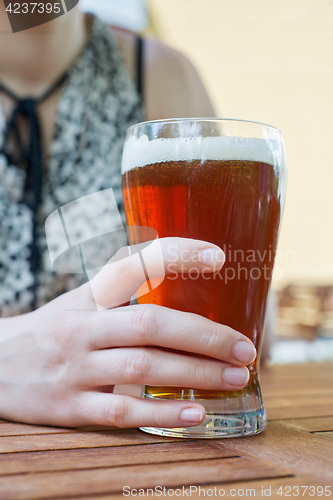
(294, 454)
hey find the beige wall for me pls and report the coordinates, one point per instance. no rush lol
(272, 61)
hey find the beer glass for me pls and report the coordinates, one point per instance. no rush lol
(222, 181)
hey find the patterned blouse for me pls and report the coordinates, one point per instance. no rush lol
(99, 102)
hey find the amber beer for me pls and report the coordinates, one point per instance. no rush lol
(220, 181)
(232, 203)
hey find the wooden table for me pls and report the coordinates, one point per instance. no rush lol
(296, 450)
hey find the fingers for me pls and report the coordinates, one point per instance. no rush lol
(149, 325)
(161, 368)
(128, 411)
(132, 266)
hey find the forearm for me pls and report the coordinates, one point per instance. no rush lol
(13, 325)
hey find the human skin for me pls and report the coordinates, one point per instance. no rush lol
(60, 363)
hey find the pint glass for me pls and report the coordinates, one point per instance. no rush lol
(220, 181)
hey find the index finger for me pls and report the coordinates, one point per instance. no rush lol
(132, 266)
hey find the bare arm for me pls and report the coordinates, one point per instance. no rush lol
(60, 363)
(172, 86)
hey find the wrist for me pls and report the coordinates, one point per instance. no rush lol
(13, 324)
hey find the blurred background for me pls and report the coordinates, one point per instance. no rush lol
(269, 61)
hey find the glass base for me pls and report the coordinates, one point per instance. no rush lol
(217, 426)
(233, 415)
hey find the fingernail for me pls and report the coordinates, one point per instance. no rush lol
(236, 376)
(212, 256)
(191, 415)
(244, 352)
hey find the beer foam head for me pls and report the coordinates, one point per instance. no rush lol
(141, 152)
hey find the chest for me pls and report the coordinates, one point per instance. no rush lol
(47, 112)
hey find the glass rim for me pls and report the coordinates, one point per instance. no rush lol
(202, 119)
